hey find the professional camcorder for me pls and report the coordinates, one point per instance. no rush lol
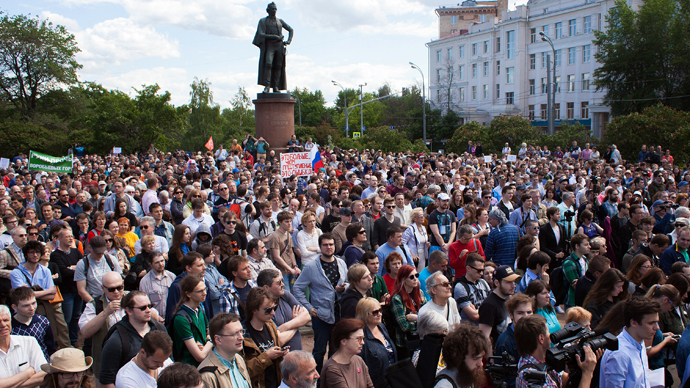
(570, 341)
(502, 369)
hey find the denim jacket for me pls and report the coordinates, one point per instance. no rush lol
(323, 295)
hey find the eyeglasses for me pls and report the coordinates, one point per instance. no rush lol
(118, 288)
(33, 234)
(70, 375)
(196, 196)
(241, 333)
(414, 276)
(376, 312)
(144, 307)
(358, 339)
(444, 284)
(269, 310)
(646, 266)
(223, 188)
(109, 240)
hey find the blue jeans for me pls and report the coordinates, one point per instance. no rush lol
(434, 248)
(288, 281)
(322, 334)
(72, 307)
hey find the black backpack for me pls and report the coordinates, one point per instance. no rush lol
(85, 259)
(177, 355)
(559, 283)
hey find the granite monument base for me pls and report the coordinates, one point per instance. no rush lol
(275, 119)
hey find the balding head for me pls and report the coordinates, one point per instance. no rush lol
(19, 236)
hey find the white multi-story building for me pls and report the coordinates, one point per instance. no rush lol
(498, 67)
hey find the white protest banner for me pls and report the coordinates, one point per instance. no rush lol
(4, 163)
(117, 150)
(295, 163)
(487, 159)
(512, 158)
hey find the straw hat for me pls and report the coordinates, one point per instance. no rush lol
(67, 360)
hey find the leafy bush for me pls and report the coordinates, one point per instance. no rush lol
(565, 137)
(471, 131)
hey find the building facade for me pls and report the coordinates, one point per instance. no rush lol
(498, 67)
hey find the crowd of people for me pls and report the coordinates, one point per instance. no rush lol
(199, 269)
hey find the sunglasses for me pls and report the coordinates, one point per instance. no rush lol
(109, 240)
(118, 288)
(414, 276)
(444, 284)
(33, 234)
(223, 188)
(144, 307)
(362, 232)
(391, 207)
(269, 310)
(144, 227)
(196, 196)
(376, 312)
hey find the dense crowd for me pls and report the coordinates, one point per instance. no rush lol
(406, 267)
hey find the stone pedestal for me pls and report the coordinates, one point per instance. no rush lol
(275, 119)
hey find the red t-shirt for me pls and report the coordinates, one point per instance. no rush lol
(458, 263)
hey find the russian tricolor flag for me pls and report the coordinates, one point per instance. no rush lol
(315, 156)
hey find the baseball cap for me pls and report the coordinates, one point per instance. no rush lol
(658, 203)
(97, 244)
(443, 197)
(102, 183)
(345, 211)
(683, 183)
(504, 272)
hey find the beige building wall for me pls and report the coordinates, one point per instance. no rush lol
(454, 20)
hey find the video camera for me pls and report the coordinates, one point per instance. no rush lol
(570, 341)
(568, 215)
(502, 369)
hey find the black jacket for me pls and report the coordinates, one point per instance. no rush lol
(548, 244)
(348, 302)
(375, 355)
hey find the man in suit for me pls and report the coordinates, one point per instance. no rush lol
(552, 237)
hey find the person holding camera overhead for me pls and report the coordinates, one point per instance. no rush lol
(532, 337)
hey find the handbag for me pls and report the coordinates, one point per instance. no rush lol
(58, 297)
(403, 374)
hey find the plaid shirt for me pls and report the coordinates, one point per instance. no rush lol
(404, 326)
(477, 293)
(501, 245)
(553, 379)
(40, 329)
(228, 302)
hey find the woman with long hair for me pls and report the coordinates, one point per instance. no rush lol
(523, 258)
(30, 216)
(469, 215)
(541, 291)
(360, 281)
(114, 249)
(456, 202)
(609, 288)
(407, 299)
(481, 228)
(345, 368)
(122, 210)
(639, 266)
(676, 319)
(378, 351)
(190, 317)
(177, 205)
(181, 245)
(194, 194)
(668, 297)
(650, 278)
(417, 239)
(549, 195)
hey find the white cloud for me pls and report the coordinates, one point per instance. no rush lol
(116, 41)
(229, 18)
(70, 24)
(174, 80)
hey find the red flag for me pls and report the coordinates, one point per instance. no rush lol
(209, 144)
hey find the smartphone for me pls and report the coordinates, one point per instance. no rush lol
(285, 348)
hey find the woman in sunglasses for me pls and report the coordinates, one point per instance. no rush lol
(406, 302)
(114, 249)
(177, 206)
(262, 344)
(378, 351)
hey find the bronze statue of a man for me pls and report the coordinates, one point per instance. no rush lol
(269, 38)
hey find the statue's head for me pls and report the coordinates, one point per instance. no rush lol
(272, 8)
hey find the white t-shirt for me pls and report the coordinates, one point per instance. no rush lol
(131, 376)
(24, 352)
(453, 316)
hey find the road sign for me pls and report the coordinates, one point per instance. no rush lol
(356, 135)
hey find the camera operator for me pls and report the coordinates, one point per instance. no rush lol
(532, 337)
(628, 366)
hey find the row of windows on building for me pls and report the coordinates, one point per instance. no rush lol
(571, 53)
(483, 47)
(454, 19)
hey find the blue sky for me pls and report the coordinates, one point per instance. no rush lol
(129, 43)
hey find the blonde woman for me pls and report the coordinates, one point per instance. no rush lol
(308, 239)
(379, 350)
(417, 239)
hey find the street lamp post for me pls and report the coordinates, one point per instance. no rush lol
(361, 111)
(423, 101)
(347, 116)
(300, 109)
(551, 84)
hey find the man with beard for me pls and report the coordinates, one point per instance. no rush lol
(532, 337)
(493, 314)
(224, 366)
(463, 351)
(299, 370)
(142, 370)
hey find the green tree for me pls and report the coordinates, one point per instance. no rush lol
(512, 130)
(313, 108)
(657, 124)
(470, 131)
(204, 119)
(35, 57)
(644, 56)
(565, 137)
(241, 108)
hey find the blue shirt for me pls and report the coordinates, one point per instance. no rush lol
(682, 351)
(385, 250)
(625, 367)
(21, 276)
(422, 281)
(238, 381)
